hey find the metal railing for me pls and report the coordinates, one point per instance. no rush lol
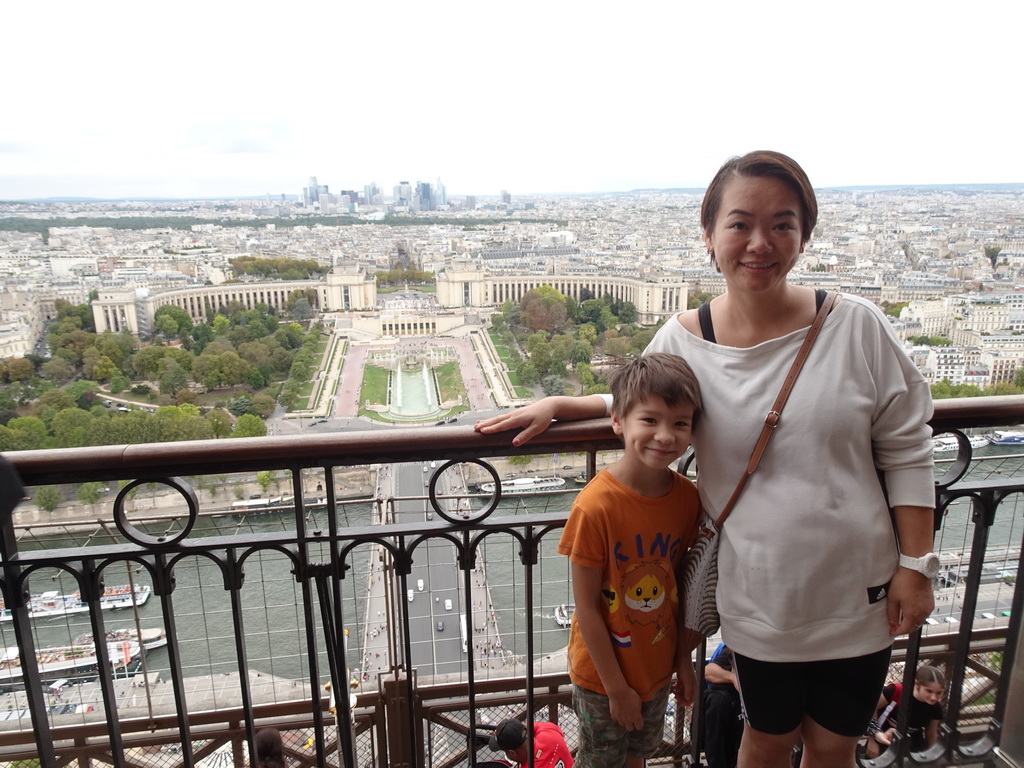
(342, 574)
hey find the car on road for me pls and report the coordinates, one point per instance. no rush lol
(440, 626)
(419, 584)
(447, 605)
(411, 595)
(567, 466)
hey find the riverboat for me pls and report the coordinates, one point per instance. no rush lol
(581, 479)
(563, 614)
(1006, 437)
(526, 485)
(949, 444)
(73, 662)
(152, 638)
(49, 604)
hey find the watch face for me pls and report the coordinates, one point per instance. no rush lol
(930, 565)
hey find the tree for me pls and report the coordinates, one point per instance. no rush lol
(57, 370)
(263, 405)
(89, 493)
(172, 321)
(553, 385)
(48, 498)
(28, 433)
(628, 313)
(302, 311)
(527, 373)
(58, 400)
(104, 369)
(73, 428)
(220, 422)
(173, 378)
(249, 425)
(694, 300)
(264, 479)
(20, 369)
(992, 253)
(1018, 377)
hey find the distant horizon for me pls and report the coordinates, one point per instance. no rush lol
(462, 195)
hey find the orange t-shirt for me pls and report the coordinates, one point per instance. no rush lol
(637, 542)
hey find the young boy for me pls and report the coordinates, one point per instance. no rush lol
(625, 537)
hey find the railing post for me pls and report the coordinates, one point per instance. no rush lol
(402, 746)
(1010, 752)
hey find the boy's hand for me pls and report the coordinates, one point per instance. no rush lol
(624, 706)
(685, 686)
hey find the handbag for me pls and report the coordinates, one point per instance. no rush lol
(700, 563)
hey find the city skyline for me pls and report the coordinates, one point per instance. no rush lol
(196, 101)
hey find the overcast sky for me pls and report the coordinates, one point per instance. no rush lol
(216, 98)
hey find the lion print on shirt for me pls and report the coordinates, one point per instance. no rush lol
(644, 599)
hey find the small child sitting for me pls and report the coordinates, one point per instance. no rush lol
(925, 712)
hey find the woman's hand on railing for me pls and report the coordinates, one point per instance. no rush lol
(536, 417)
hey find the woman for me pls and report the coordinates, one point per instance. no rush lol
(812, 584)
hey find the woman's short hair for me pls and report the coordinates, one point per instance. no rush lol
(758, 164)
(657, 373)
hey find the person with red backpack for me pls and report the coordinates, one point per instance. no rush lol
(925, 712)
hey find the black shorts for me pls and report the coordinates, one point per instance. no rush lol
(840, 695)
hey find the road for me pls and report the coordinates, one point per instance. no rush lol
(434, 651)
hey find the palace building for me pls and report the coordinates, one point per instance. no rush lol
(350, 288)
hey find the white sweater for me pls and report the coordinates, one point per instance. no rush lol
(811, 533)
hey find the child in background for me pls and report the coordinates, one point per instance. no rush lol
(925, 712)
(626, 536)
(269, 748)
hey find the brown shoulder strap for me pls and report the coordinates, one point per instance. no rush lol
(771, 421)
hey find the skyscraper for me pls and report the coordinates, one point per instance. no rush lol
(403, 194)
(425, 196)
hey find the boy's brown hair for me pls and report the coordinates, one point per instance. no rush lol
(658, 373)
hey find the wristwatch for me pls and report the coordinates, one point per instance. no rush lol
(928, 565)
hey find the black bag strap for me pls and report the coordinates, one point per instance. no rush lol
(707, 328)
(771, 421)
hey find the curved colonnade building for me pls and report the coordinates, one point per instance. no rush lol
(463, 285)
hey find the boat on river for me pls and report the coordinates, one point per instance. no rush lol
(78, 661)
(1006, 437)
(563, 614)
(526, 485)
(949, 444)
(49, 604)
(152, 638)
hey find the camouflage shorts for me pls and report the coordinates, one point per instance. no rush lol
(605, 743)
